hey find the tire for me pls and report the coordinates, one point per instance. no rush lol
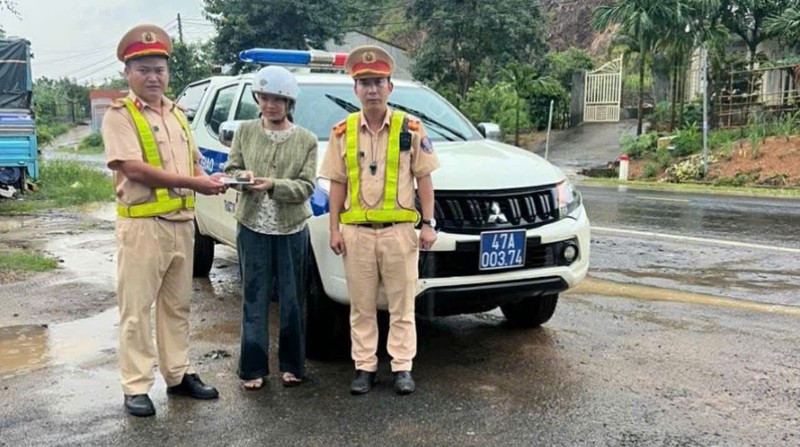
(203, 253)
(530, 312)
(327, 322)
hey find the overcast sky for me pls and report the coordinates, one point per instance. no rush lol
(78, 38)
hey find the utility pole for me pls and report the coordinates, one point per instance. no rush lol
(704, 69)
(180, 29)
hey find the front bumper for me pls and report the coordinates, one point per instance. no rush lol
(455, 300)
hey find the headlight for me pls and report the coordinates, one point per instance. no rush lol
(569, 199)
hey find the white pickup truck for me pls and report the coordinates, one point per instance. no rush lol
(512, 229)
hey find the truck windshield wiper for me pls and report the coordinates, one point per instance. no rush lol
(350, 107)
(428, 120)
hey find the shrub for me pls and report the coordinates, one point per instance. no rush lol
(688, 141)
(651, 170)
(637, 147)
(92, 144)
(664, 157)
(661, 116)
(687, 170)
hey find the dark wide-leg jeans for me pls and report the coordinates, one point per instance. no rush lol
(272, 263)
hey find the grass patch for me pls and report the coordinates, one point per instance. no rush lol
(694, 188)
(26, 261)
(93, 144)
(62, 184)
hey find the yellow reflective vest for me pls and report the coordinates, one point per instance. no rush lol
(163, 202)
(389, 211)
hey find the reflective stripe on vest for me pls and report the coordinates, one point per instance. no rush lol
(389, 211)
(163, 203)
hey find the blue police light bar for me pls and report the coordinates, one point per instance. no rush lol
(292, 57)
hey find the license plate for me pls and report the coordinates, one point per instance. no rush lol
(502, 249)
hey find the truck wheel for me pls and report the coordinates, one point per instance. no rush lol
(327, 322)
(530, 312)
(203, 253)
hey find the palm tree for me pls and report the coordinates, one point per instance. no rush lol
(747, 19)
(692, 23)
(786, 26)
(526, 83)
(640, 19)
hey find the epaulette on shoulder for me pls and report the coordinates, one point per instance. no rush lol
(340, 128)
(414, 124)
(117, 104)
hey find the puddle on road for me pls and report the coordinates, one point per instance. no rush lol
(28, 348)
(635, 291)
(722, 278)
(12, 223)
(89, 257)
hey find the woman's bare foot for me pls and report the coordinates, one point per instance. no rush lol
(289, 380)
(254, 384)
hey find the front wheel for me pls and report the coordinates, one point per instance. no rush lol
(203, 253)
(530, 312)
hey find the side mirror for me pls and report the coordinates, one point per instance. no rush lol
(226, 131)
(190, 114)
(490, 131)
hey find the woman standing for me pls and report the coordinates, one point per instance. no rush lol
(272, 239)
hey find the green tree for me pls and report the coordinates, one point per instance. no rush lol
(287, 24)
(785, 26)
(467, 40)
(60, 100)
(10, 6)
(529, 86)
(691, 24)
(746, 18)
(638, 19)
(563, 64)
(188, 63)
(494, 102)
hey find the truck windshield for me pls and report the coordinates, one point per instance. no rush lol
(320, 106)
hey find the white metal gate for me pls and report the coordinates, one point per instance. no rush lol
(603, 93)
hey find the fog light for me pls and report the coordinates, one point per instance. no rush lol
(570, 253)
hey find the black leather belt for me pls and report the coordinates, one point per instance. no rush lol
(376, 225)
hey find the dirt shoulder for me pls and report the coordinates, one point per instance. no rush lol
(85, 246)
(773, 162)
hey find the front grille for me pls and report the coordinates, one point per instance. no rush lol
(472, 212)
(464, 260)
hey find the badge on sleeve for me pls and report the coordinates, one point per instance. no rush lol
(426, 145)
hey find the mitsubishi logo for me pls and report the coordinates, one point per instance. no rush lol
(495, 215)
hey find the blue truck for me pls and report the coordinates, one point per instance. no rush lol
(18, 149)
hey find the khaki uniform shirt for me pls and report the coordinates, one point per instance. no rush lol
(121, 140)
(417, 162)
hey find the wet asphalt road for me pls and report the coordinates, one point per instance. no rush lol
(670, 342)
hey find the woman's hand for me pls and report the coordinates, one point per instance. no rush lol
(259, 184)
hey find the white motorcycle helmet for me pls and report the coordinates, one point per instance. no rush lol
(274, 80)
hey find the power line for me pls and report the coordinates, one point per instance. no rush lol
(82, 55)
(99, 70)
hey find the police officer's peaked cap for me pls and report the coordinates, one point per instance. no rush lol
(144, 40)
(369, 61)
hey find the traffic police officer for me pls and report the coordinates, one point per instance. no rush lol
(373, 159)
(156, 171)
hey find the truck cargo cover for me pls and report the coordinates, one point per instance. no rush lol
(15, 86)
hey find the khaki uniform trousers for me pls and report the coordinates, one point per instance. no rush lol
(154, 266)
(372, 256)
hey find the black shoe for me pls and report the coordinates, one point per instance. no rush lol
(192, 386)
(362, 383)
(403, 382)
(139, 405)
